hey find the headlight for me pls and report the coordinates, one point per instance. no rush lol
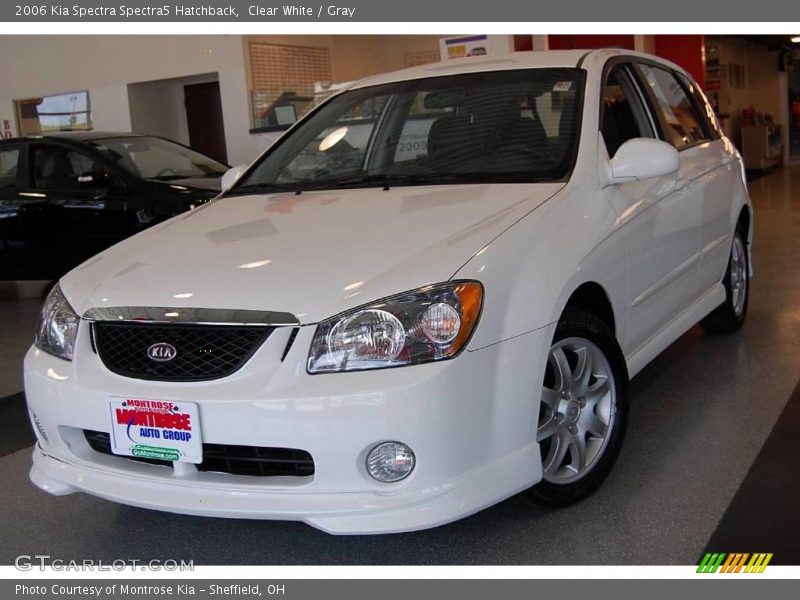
(58, 326)
(431, 323)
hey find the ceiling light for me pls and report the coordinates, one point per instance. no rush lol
(255, 264)
(333, 138)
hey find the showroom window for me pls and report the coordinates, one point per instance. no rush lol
(59, 112)
(9, 159)
(684, 124)
(287, 82)
(624, 117)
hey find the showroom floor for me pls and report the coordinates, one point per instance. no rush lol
(700, 415)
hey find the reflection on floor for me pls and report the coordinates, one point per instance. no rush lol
(701, 413)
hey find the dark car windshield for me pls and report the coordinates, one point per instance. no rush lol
(157, 158)
(502, 126)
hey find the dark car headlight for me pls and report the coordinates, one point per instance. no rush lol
(423, 325)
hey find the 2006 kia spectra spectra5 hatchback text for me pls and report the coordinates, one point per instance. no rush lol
(427, 296)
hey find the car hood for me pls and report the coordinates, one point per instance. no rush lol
(312, 255)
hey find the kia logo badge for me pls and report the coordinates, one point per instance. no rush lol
(161, 352)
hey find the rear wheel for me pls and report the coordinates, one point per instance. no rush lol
(730, 315)
(583, 410)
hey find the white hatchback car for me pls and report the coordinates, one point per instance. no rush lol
(427, 296)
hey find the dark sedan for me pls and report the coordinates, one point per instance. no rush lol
(67, 196)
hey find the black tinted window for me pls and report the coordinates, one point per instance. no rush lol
(503, 126)
(624, 117)
(9, 160)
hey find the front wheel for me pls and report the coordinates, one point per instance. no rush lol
(583, 410)
(730, 315)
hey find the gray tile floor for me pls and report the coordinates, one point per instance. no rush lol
(700, 412)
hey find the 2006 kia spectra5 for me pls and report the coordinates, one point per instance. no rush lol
(427, 296)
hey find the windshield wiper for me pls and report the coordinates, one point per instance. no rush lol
(378, 180)
(255, 188)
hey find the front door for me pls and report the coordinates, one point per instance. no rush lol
(83, 209)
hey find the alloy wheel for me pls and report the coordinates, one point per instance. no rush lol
(578, 410)
(738, 275)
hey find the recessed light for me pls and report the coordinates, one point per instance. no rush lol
(795, 39)
(255, 264)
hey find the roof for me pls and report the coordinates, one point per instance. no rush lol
(514, 60)
(79, 136)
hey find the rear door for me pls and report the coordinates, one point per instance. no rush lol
(721, 192)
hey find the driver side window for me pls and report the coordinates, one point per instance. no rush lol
(60, 168)
(623, 116)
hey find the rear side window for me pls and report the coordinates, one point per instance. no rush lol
(9, 160)
(706, 112)
(684, 125)
(623, 117)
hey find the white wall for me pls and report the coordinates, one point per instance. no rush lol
(116, 96)
(159, 107)
(105, 65)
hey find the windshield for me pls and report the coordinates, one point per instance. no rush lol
(157, 158)
(503, 126)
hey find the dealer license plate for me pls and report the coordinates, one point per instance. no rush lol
(158, 429)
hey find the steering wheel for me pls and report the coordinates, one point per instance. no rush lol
(166, 171)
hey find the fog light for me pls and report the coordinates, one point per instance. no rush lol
(390, 462)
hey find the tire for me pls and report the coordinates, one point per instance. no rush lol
(730, 315)
(593, 408)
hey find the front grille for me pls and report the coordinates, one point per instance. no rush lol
(202, 351)
(100, 441)
(227, 458)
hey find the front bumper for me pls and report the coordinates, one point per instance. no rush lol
(471, 422)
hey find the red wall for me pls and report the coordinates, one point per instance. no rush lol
(686, 51)
(571, 42)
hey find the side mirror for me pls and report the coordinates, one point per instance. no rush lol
(643, 158)
(96, 180)
(231, 176)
